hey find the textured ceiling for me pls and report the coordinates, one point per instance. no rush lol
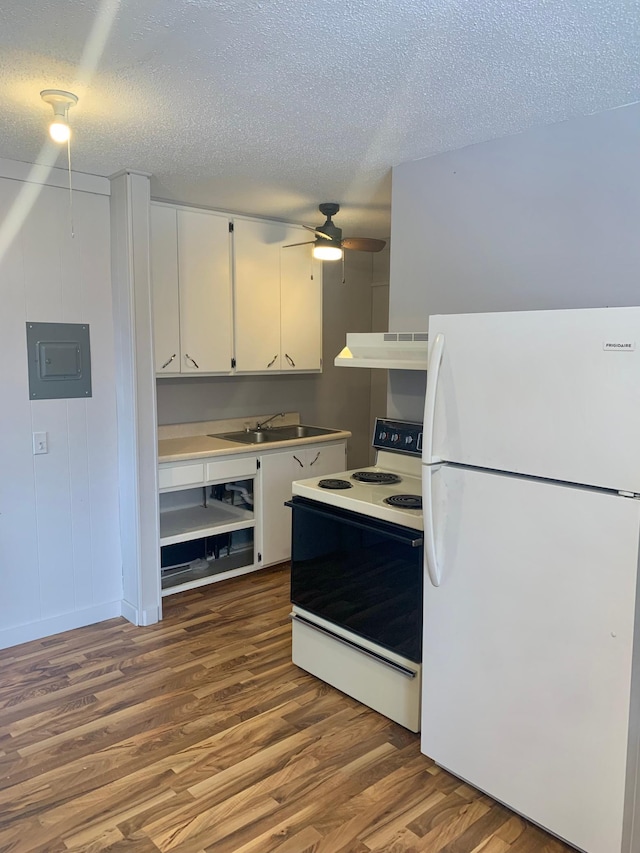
(271, 106)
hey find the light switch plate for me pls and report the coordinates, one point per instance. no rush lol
(40, 443)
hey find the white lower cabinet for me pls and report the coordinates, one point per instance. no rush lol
(277, 472)
(207, 521)
(210, 528)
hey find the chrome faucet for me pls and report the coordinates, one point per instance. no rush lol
(268, 420)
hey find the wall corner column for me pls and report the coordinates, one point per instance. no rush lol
(136, 397)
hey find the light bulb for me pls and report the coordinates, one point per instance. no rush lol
(59, 130)
(60, 101)
(327, 253)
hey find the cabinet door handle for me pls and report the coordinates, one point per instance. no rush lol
(315, 459)
(167, 363)
(298, 461)
(192, 360)
(289, 359)
(272, 360)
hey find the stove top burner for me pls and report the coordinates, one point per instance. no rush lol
(405, 501)
(333, 483)
(376, 477)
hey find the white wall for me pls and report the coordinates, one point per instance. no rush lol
(545, 219)
(336, 398)
(60, 559)
(379, 323)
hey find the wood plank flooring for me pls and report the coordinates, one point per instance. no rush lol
(199, 734)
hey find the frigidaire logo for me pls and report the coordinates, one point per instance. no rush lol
(619, 345)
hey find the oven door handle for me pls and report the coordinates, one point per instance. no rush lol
(403, 670)
(390, 531)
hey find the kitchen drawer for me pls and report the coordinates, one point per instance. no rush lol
(232, 469)
(177, 476)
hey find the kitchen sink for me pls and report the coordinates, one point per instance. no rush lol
(271, 434)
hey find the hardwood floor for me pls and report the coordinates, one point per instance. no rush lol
(199, 734)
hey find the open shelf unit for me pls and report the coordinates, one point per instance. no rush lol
(206, 530)
(203, 572)
(181, 525)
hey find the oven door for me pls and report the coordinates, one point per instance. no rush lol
(359, 573)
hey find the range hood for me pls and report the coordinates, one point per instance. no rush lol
(390, 350)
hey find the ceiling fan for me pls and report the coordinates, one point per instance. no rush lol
(329, 242)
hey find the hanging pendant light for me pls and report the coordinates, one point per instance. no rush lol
(59, 129)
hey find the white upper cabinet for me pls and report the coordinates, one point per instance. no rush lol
(204, 275)
(278, 299)
(300, 306)
(164, 283)
(270, 318)
(191, 285)
(256, 249)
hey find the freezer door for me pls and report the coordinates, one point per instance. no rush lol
(552, 394)
(527, 652)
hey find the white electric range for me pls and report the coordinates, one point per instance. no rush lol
(400, 474)
(356, 575)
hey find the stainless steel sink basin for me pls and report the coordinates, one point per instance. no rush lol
(271, 434)
(299, 431)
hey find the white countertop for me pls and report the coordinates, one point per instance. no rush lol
(198, 446)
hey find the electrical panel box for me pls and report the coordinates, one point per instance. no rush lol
(59, 358)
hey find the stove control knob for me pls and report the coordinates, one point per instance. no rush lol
(395, 437)
(408, 439)
(382, 435)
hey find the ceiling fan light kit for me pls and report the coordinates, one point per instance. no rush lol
(60, 101)
(325, 252)
(328, 236)
(329, 244)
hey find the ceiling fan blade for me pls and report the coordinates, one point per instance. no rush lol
(319, 233)
(363, 244)
(306, 243)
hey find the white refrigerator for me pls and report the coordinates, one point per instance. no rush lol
(531, 486)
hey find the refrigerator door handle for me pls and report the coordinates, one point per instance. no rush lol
(430, 556)
(433, 373)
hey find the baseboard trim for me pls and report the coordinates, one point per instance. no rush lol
(56, 624)
(140, 617)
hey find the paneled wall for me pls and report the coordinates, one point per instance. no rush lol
(60, 561)
(544, 219)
